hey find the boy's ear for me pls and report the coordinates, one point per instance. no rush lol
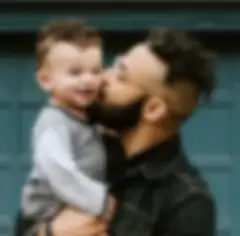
(44, 80)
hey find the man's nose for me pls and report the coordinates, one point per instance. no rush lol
(107, 76)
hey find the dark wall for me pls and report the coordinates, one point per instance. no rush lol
(119, 41)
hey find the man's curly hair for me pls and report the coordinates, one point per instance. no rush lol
(185, 57)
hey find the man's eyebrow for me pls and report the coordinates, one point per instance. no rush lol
(97, 68)
(122, 66)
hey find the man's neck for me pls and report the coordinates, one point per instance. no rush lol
(140, 139)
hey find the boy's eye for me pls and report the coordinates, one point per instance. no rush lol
(75, 71)
(96, 71)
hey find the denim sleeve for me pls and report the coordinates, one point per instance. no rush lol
(196, 217)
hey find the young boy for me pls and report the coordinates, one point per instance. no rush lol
(68, 156)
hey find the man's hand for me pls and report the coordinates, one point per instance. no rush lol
(75, 223)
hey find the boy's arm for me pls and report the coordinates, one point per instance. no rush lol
(52, 153)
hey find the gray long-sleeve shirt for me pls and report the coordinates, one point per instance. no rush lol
(69, 164)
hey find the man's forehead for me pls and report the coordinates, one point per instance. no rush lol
(144, 66)
(142, 56)
(139, 50)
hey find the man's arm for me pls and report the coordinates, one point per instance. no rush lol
(53, 155)
(71, 222)
(196, 217)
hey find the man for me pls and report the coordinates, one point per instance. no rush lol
(153, 89)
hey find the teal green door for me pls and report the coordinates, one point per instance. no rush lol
(211, 137)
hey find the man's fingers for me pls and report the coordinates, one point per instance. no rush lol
(103, 234)
(91, 232)
(95, 229)
(75, 223)
(82, 228)
(74, 215)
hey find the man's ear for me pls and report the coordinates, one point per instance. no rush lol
(154, 110)
(44, 80)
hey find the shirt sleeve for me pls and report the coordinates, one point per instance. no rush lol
(196, 217)
(53, 155)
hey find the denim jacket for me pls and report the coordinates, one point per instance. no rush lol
(159, 192)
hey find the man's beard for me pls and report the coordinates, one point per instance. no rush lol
(119, 118)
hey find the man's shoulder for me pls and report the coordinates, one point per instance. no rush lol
(187, 182)
(188, 199)
(183, 190)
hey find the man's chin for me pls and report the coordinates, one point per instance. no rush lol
(119, 118)
(115, 121)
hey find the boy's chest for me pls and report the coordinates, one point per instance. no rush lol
(89, 152)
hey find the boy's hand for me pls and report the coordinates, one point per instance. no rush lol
(110, 208)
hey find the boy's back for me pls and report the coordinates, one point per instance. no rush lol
(53, 179)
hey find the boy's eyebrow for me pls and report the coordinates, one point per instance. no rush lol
(98, 68)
